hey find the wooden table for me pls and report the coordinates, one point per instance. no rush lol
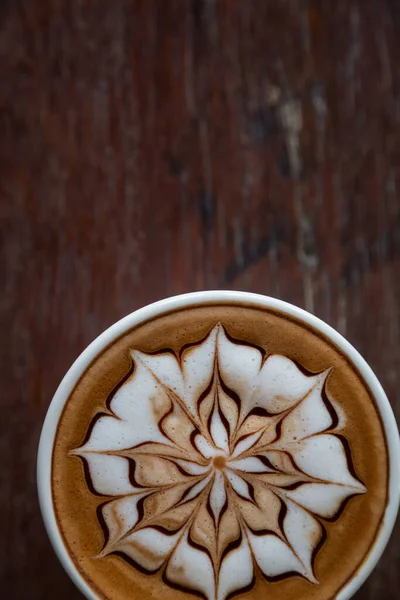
(152, 147)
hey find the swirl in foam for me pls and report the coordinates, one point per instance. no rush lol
(218, 461)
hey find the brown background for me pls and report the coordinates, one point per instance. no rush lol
(154, 147)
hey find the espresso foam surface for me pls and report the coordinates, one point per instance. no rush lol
(220, 465)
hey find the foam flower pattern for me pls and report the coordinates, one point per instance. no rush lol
(216, 462)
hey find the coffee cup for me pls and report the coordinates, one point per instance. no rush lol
(219, 444)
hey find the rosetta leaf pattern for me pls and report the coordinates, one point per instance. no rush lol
(217, 462)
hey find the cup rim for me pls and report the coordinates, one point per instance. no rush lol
(54, 412)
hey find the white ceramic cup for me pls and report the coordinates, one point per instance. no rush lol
(112, 333)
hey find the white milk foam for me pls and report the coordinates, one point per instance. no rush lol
(218, 460)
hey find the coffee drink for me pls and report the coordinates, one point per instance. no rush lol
(217, 451)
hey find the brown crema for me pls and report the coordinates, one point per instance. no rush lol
(347, 539)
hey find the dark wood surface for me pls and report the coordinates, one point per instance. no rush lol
(154, 147)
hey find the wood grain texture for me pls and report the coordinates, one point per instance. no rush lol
(152, 147)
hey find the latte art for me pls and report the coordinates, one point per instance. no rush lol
(217, 462)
